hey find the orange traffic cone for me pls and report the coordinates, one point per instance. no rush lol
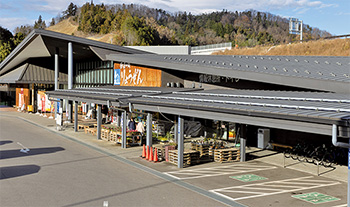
(147, 153)
(143, 152)
(155, 158)
(151, 154)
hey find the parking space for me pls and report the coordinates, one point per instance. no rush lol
(259, 182)
(237, 168)
(255, 183)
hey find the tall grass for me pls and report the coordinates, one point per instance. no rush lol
(335, 47)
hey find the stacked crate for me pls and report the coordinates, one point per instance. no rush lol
(105, 134)
(190, 157)
(113, 136)
(226, 155)
(203, 150)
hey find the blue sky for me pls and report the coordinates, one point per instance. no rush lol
(330, 15)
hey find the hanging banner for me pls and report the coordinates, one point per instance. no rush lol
(41, 100)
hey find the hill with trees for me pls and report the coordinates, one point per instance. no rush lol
(135, 24)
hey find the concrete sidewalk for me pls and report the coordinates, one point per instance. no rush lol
(266, 156)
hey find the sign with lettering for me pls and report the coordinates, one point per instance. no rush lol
(131, 75)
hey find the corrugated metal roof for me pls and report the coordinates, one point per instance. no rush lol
(284, 104)
(297, 106)
(310, 72)
(29, 73)
(37, 74)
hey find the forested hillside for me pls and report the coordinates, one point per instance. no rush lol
(141, 25)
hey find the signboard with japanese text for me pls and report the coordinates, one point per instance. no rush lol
(131, 75)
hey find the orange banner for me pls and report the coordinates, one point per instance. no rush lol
(131, 75)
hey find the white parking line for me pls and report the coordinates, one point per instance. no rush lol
(217, 171)
(343, 205)
(296, 184)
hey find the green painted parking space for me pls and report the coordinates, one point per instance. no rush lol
(315, 197)
(248, 177)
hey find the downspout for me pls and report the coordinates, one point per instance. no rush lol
(335, 140)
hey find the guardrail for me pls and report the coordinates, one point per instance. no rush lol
(212, 46)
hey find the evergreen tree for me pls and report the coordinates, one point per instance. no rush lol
(40, 23)
(71, 11)
(52, 22)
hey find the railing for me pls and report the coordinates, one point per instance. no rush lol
(212, 46)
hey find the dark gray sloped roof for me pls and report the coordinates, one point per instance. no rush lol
(43, 43)
(29, 73)
(298, 106)
(310, 72)
(114, 95)
(320, 109)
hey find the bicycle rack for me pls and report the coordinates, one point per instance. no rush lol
(317, 163)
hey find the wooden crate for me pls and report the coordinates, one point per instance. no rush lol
(190, 157)
(203, 152)
(105, 134)
(113, 136)
(226, 155)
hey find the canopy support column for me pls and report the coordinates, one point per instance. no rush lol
(123, 123)
(70, 78)
(75, 116)
(180, 143)
(149, 130)
(99, 121)
(243, 142)
(176, 136)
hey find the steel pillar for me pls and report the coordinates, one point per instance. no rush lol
(99, 121)
(149, 130)
(176, 137)
(123, 123)
(243, 142)
(75, 116)
(180, 143)
(70, 78)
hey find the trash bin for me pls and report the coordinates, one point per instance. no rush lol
(263, 138)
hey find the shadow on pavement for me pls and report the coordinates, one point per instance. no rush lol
(17, 171)
(6, 154)
(5, 142)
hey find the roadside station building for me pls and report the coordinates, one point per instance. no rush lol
(296, 98)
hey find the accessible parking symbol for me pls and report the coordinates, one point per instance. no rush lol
(248, 177)
(315, 197)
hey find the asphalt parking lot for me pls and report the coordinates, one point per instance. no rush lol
(262, 181)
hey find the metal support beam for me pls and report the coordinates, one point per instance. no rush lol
(243, 141)
(99, 121)
(70, 78)
(149, 130)
(75, 116)
(176, 137)
(56, 69)
(123, 123)
(180, 144)
(70, 65)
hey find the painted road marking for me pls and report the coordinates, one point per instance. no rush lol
(272, 188)
(315, 198)
(343, 205)
(217, 171)
(248, 177)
